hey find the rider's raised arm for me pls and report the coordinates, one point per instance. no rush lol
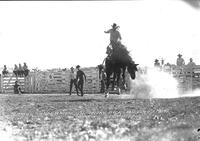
(108, 31)
(120, 36)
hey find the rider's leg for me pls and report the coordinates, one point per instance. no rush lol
(70, 86)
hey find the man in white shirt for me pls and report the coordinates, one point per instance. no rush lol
(191, 63)
(180, 61)
(72, 77)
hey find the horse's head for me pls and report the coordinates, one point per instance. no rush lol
(132, 68)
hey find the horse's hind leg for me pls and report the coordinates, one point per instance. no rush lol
(118, 87)
(124, 79)
(107, 86)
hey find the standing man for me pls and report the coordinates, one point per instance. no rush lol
(191, 63)
(72, 81)
(80, 75)
(190, 66)
(180, 61)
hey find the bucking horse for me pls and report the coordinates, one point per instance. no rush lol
(116, 64)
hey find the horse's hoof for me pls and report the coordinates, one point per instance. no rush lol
(107, 95)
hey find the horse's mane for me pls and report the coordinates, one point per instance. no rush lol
(121, 54)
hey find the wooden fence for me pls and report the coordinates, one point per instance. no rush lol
(51, 81)
(57, 81)
(188, 78)
(8, 81)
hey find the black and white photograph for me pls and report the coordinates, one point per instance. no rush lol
(100, 70)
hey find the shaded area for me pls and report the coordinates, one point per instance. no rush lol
(84, 100)
(63, 117)
(193, 3)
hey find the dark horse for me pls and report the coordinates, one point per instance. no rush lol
(117, 64)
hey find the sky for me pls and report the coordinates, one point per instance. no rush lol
(61, 34)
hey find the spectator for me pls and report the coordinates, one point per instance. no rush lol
(20, 70)
(80, 75)
(72, 81)
(162, 62)
(191, 63)
(5, 71)
(17, 88)
(25, 70)
(180, 61)
(167, 67)
(156, 63)
(15, 71)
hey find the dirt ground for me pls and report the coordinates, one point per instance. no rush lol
(95, 118)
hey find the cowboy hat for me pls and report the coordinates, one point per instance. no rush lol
(77, 66)
(115, 25)
(156, 60)
(179, 54)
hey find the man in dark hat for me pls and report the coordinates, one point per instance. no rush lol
(156, 63)
(80, 75)
(72, 81)
(115, 36)
(180, 61)
(5, 71)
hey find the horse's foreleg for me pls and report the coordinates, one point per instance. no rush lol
(123, 79)
(107, 83)
(113, 82)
